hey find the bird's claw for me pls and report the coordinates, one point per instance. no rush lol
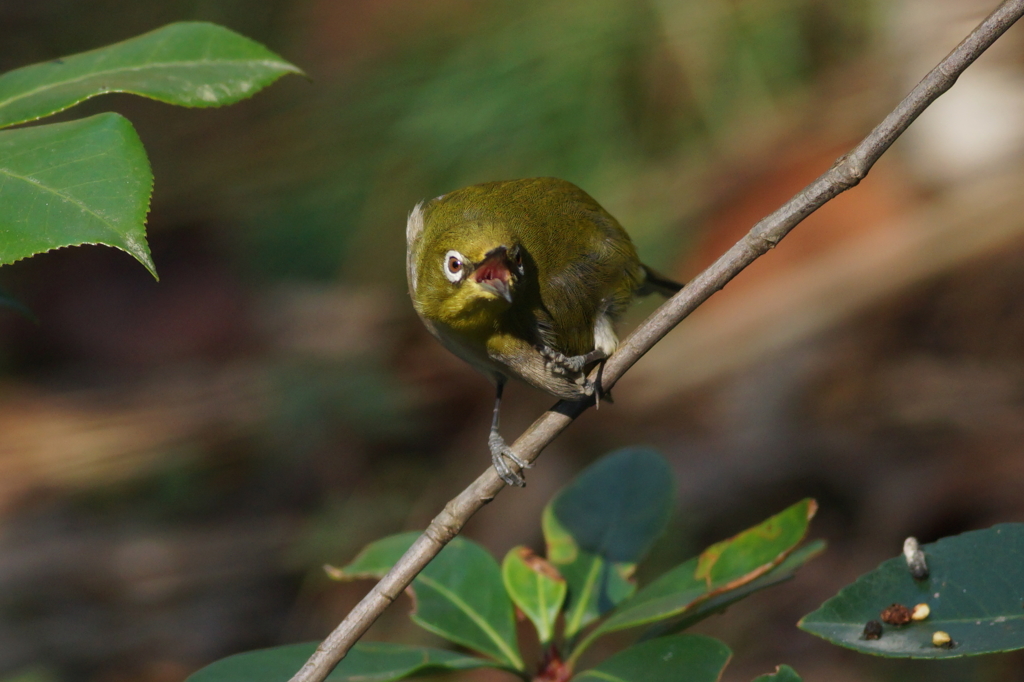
(500, 451)
(559, 363)
(564, 365)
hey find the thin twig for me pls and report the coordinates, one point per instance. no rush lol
(847, 171)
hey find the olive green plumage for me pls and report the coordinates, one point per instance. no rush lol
(524, 278)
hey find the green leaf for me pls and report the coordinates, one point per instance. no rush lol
(193, 64)
(459, 595)
(376, 558)
(80, 182)
(536, 587)
(693, 658)
(974, 590)
(712, 605)
(719, 570)
(599, 526)
(365, 662)
(782, 674)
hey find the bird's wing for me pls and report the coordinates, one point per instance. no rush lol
(594, 277)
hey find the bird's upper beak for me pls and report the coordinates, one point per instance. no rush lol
(494, 272)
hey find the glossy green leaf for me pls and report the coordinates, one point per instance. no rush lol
(599, 526)
(975, 591)
(782, 674)
(366, 662)
(80, 182)
(693, 658)
(459, 595)
(192, 64)
(719, 602)
(377, 558)
(536, 587)
(720, 569)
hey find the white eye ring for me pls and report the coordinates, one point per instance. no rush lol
(454, 266)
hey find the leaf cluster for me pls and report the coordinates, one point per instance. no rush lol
(596, 531)
(88, 181)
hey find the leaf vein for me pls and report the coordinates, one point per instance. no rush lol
(71, 200)
(477, 619)
(143, 67)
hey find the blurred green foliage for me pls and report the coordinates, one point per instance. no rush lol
(621, 97)
(604, 93)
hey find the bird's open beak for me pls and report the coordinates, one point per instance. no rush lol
(493, 273)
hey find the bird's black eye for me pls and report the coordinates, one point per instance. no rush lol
(454, 265)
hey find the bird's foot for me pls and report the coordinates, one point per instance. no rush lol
(559, 363)
(571, 366)
(500, 452)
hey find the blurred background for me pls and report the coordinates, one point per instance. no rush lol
(178, 459)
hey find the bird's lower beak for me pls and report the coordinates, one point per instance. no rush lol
(499, 287)
(493, 273)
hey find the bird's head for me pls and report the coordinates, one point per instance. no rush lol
(464, 270)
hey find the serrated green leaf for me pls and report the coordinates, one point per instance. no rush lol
(782, 674)
(80, 182)
(459, 595)
(365, 662)
(599, 526)
(720, 569)
(974, 591)
(694, 658)
(192, 64)
(536, 587)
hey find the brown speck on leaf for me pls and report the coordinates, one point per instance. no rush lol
(897, 614)
(872, 629)
(539, 564)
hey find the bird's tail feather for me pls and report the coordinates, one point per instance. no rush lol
(657, 283)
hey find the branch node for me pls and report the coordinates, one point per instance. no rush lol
(441, 533)
(848, 170)
(391, 597)
(758, 241)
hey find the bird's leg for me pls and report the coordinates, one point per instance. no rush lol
(500, 451)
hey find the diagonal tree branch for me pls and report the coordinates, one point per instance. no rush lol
(847, 171)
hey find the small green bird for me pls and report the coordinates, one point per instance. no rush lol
(524, 278)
